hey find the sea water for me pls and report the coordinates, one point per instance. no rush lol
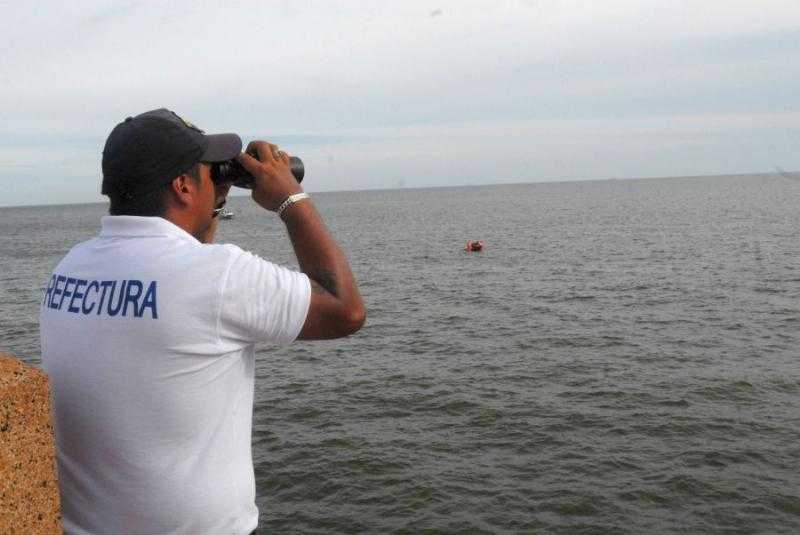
(621, 358)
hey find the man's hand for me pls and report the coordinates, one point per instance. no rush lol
(274, 181)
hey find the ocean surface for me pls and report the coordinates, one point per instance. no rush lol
(621, 358)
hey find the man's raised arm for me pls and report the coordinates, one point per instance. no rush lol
(336, 308)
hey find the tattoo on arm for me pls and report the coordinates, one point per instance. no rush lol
(325, 281)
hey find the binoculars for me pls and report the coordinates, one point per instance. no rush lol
(231, 171)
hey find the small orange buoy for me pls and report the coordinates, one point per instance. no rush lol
(473, 246)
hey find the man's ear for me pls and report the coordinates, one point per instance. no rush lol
(183, 188)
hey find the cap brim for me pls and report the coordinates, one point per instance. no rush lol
(221, 147)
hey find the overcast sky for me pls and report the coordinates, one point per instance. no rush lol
(379, 94)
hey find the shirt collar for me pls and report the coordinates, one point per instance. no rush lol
(130, 226)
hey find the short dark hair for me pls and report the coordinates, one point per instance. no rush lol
(153, 204)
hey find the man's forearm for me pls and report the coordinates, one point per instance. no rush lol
(318, 253)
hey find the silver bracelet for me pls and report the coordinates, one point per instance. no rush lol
(290, 200)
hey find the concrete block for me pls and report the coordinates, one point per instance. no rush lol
(29, 499)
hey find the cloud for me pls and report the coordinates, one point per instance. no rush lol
(332, 78)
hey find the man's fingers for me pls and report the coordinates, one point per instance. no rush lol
(271, 170)
(278, 154)
(252, 148)
(262, 149)
(266, 153)
(248, 162)
(275, 153)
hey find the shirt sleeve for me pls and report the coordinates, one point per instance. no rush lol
(262, 302)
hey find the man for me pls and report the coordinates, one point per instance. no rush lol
(148, 333)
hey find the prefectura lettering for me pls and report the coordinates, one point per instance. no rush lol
(126, 297)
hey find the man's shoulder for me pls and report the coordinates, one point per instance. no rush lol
(219, 258)
(224, 252)
(77, 251)
(229, 256)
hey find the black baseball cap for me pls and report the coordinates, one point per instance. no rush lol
(145, 152)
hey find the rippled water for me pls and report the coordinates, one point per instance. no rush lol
(620, 359)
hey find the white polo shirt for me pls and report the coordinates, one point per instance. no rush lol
(147, 336)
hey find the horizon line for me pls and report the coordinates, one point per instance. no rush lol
(551, 181)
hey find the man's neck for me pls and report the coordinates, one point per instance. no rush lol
(184, 220)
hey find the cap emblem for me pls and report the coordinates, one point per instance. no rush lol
(187, 123)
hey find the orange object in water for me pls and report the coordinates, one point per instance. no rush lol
(476, 245)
